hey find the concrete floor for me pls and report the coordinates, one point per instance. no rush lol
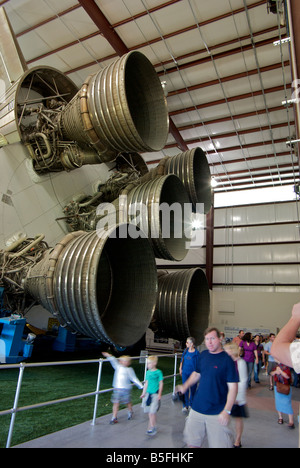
(261, 428)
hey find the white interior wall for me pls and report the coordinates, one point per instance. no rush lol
(258, 246)
(256, 264)
(30, 203)
(251, 310)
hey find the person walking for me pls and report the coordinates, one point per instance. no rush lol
(283, 399)
(187, 366)
(260, 355)
(237, 339)
(271, 359)
(249, 354)
(152, 393)
(209, 418)
(123, 376)
(239, 410)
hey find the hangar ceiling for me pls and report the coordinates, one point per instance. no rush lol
(228, 86)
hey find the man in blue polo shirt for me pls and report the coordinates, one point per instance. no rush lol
(218, 380)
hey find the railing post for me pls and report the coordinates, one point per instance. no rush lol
(22, 366)
(175, 369)
(14, 410)
(97, 390)
(145, 370)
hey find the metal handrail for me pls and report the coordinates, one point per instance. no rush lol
(21, 366)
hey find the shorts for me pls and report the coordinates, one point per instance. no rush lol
(239, 411)
(154, 405)
(121, 395)
(200, 428)
(271, 366)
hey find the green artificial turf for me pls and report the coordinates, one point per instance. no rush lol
(42, 384)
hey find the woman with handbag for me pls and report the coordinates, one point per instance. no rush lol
(283, 393)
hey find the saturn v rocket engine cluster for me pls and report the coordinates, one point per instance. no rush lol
(103, 282)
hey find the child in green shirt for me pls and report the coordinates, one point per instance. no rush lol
(152, 393)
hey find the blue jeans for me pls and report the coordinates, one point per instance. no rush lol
(250, 366)
(189, 394)
(257, 368)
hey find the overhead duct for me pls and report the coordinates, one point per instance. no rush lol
(161, 209)
(99, 284)
(183, 305)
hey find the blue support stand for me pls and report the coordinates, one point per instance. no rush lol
(13, 348)
(65, 340)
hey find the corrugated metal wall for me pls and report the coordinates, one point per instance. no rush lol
(257, 246)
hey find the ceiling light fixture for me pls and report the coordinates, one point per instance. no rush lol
(289, 101)
(293, 141)
(282, 41)
(213, 182)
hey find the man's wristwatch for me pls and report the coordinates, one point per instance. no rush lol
(228, 412)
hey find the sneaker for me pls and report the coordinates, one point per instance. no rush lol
(130, 415)
(152, 431)
(185, 410)
(113, 421)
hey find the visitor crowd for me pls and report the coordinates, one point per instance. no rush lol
(220, 393)
(215, 382)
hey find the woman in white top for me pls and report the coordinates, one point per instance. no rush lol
(239, 410)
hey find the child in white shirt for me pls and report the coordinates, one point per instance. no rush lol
(123, 377)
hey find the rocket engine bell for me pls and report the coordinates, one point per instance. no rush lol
(120, 109)
(84, 282)
(183, 305)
